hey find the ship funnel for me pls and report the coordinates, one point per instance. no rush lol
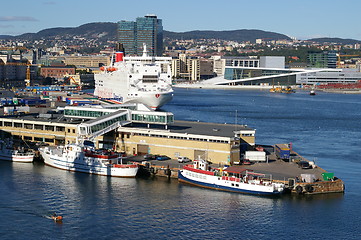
(119, 56)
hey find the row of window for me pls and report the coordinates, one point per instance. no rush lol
(183, 138)
(84, 113)
(153, 118)
(32, 126)
(37, 139)
(195, 175)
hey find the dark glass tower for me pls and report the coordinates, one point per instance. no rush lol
(148, 30)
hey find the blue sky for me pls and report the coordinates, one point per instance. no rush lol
(302, 19)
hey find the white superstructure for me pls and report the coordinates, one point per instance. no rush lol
(144, 79)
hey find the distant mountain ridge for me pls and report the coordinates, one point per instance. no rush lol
(335, 40)
(242, 35)
(106, 30)
(103, 31)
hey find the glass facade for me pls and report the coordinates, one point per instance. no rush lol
(127, 36)
(241, 73)
(322, 60)
(102, 125)
(147, 118)
(84, 113)
(148, 30)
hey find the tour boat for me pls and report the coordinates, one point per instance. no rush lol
(232, 179)
(82, 158)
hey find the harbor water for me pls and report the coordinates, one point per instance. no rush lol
(325, 128)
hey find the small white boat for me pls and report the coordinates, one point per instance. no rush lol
(8, 153)
(232, 179)
(312, 92)
(86, 159)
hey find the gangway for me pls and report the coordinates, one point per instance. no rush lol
(100, 126)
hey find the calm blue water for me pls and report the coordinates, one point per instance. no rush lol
(325, 127)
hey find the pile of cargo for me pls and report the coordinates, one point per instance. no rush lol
(356, 85)
(21, 101)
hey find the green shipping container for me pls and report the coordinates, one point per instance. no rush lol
(328, 176)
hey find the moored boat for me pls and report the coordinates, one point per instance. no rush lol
(232, 179)
(86, 159)
(8, 153)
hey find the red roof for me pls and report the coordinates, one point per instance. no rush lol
(236, 169)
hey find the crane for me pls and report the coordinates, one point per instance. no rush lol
(339, 58)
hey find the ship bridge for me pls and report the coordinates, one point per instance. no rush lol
(99, 120)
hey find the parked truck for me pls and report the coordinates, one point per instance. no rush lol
(282, 151)
(255, 156)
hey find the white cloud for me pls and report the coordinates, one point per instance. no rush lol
(49, 3)
(6, 26)
(17, 18)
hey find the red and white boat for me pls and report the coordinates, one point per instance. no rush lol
(7, 153)
(232, 179)
(80, 158)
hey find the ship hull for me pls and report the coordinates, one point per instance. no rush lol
(88, 165)
(153, 100)
(13, 157)
(215, 182)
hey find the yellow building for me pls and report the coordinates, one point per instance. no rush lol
(87, 61)
(218, 143)
(135, 132)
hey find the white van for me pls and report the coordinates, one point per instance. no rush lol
(183, 159)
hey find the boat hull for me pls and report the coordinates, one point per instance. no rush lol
(26, 158)
(87, 165)
(153, 100)
(215, 182)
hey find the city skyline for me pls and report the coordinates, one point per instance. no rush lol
(310, 19)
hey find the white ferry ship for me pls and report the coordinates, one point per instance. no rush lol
(144, 79)
(78, 158)
(7, 153)
(232, 179)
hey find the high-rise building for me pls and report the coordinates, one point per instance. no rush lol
(322, 60)
(148, 30)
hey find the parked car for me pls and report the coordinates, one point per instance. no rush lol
(162, 157)
(246, 162)
(149, 157)
(183, 159)
(304, 165)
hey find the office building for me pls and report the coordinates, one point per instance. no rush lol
(322, 60)
(145, 30)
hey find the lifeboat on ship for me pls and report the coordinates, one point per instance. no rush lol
(111, 69)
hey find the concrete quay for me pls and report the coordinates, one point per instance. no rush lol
(280, 171)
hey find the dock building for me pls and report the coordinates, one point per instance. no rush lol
(133, 129)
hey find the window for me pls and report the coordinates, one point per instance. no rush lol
(8, 124)
(28, 138)
(38, 127)
(60, 129)
(49, 128)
